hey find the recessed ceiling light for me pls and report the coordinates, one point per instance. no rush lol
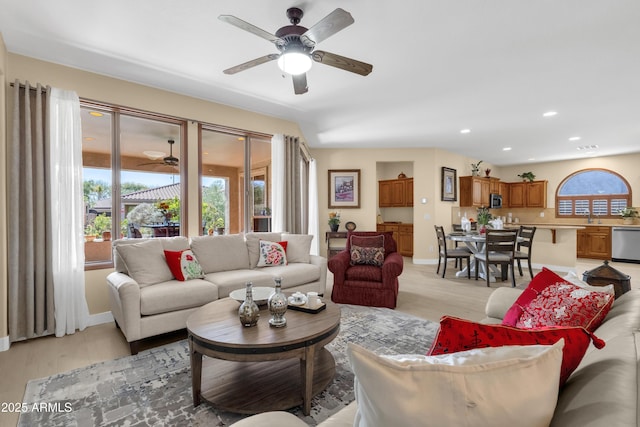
(465, 131)
(95, 114)
(550, 114)
(575, 138)
(506, 149)
(206, 153)
(531, 159)
(89, 138)
(154, 155)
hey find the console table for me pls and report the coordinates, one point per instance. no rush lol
(333, 246)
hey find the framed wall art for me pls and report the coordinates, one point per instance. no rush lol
(344, 188)
(449, 185)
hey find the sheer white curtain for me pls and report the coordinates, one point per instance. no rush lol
(313, 207)
(66, 218)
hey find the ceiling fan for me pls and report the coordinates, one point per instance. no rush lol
(297, 46)
(169, 160)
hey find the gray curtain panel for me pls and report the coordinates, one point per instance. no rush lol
(31, 312)
(292, 191)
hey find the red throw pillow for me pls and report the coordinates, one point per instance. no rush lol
(565, 304)
(183, 265)
(540, 281)
(459, 334)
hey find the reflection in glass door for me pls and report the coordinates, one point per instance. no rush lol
(224, 160)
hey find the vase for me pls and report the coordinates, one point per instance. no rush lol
(627, 220)
(249, 313)
(334, 227)
(483, 229)
(278, 305)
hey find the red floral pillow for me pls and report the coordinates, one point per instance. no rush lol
(459, 334)
(540, 281)
(565, 304)
(183, 265)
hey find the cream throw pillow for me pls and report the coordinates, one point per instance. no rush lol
(298, 247)
(145, 262)
(498, 386)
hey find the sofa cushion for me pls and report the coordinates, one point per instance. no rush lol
(298, 247)
(183, 265)
(272, 253)
(177, 243)
(174, 295)
(145, 262)
(253, 244)
(469, 388)
(221, 253)
(459, 334)
(565, 304)
(228, 281)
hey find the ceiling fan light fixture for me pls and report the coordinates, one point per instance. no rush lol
(294, 63)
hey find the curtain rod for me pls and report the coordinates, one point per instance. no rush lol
(34, 88)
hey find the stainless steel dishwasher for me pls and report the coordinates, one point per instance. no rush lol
(625, 244)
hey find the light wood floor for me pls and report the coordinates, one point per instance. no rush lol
(422, 293)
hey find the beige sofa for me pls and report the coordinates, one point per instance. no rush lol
(147, 300)
(602, 391)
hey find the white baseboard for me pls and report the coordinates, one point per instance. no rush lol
(425, 261)
(4, 343)
(100, 318)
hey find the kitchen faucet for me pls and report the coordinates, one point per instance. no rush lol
(587, 213)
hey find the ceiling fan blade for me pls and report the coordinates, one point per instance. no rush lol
(252, 63)
(342, 62)
(337, 20)
(243, 25)
(300, 84)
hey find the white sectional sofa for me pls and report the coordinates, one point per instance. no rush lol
(603, 391)
(147, 300)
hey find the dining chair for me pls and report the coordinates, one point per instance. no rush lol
(525, 240)
(499, 247)
(445, 253)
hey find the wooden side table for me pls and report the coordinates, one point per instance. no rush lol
(334, 247)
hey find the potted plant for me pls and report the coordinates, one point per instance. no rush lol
(484, 216)
(475, 168)
(219, 226)
(527, 176)
(102, 226)
(628, 215)
(334, 221)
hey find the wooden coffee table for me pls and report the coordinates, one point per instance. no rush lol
(261, 368)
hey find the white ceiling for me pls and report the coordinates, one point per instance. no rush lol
(493, 66)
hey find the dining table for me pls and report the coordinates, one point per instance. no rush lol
(475, 242)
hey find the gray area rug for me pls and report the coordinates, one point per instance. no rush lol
(153, 388)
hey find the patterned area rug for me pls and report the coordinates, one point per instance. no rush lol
(153, 388)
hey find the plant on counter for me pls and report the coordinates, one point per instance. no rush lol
(628, 213)
(527, 175)
(484, 216)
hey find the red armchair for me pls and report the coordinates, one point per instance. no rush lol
(368, 285)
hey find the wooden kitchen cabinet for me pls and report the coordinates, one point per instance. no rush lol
(503, 190)
(528, 194)
(594, 242)
(475, 190)
(395, 193)
(402, 234)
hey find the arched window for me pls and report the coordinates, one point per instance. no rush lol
(595, 192)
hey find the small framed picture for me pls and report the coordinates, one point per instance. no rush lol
(449, 185)
(344, 188)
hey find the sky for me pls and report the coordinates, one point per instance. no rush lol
(150, 179)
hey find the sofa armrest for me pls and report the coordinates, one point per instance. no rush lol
(338, 265)
(393, 265)
(500, 301)
(124, 295)
(321, 262)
